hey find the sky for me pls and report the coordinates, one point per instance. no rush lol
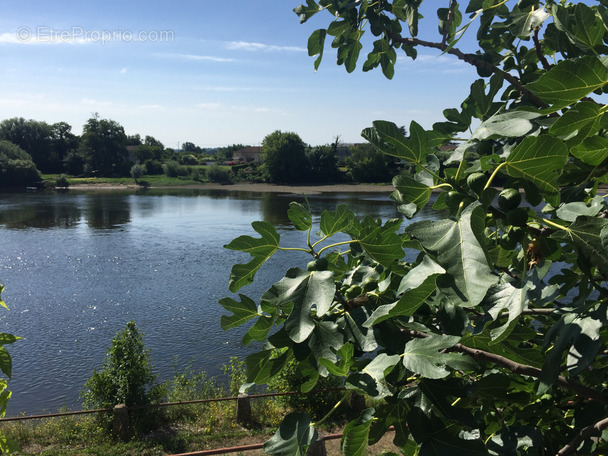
(213, 73)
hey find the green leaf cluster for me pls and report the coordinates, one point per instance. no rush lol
(481, 330)
(7, 445)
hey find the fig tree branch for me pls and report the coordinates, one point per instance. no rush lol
(473, 60)
(585, 433)
(522, 369)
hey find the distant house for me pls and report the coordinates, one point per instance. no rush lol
(248, 155)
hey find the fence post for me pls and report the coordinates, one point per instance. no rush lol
(318, 447)
(121, 425)
(243, 409)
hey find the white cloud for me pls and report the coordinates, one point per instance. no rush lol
(93, 102)
(211, 105)
(195, 57)
(256, 47)
(254, 109)
(123, 71)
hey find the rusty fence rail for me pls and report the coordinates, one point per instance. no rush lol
(122, 427)
(162, 404)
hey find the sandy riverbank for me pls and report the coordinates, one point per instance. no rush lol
(270, 188)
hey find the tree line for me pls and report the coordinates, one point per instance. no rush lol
(30, 148)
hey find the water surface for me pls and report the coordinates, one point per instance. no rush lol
(78, 266)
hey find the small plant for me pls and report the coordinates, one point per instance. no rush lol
(188, 386)
(215, 173)
(137, 171)
(126, 377)
(62, 181)
(174, 169)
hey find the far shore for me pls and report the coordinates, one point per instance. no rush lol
(251, 187)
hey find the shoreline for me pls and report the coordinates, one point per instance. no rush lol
(253, 187)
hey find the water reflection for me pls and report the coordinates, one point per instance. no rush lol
(38, 212)
(107, 211)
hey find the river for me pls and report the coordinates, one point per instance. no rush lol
(77, 266)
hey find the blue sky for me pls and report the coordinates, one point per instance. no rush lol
(210, 72)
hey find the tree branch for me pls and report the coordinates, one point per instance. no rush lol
(585, 433)
(522, 369)
(473, 60)
(539, 51)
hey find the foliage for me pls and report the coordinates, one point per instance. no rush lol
(16, 166)
(126, 376)
(284, 156)
(216, 173)
(33, 136)
(367, 164)
(137, 171)
(481, 330)
(174, 169)
(7, 444)
(143, 153)
(103, 144)
(62, 181)
(317, 403)
(323, 163)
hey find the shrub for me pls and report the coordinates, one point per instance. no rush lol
(126, 376)
(215, 173)
(154, 167)
(174, 169)
(137, 171)
(62, 181)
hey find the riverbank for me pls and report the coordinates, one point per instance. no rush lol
(258, 187)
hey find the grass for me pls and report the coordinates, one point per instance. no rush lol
(155, 180)
(168, 430)
(157, 431)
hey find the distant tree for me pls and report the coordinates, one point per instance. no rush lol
(367, 164)
(153, 142)
(16, 166)
(137, 171)
(191, 148)
(146, 152)
(74, 162)
(188, 159)
(34, 137)
(323, 163)
(104, 146)
(134, 140)
(284, 156)
(63, 142)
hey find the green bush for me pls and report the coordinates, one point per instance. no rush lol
(62, 181)
(215, 173)
(154, 167)
(16, 166)
(126, 376)
(137, 171)
(174, 169)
